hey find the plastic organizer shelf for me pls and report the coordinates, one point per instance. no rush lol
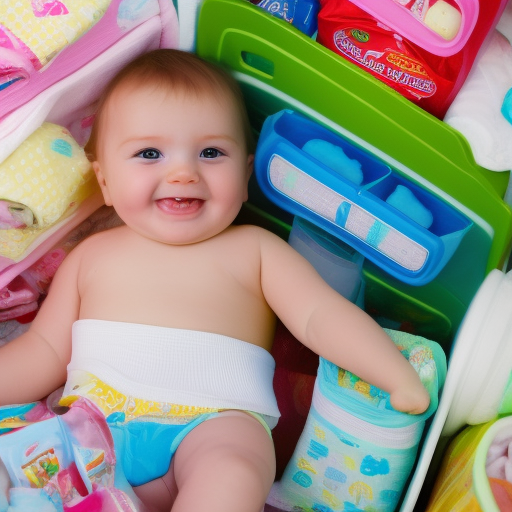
(357, 213)
(278, 67)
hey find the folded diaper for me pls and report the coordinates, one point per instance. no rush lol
(43, 174)
(46, 178)
(476, 110)
(356, 452)
(39, 29)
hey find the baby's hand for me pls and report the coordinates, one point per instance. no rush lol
(412, 399)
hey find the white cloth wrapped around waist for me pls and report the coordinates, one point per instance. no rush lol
(176, 366)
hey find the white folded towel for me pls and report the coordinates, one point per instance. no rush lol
(476, 110)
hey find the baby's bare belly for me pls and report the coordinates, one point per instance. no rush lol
(230, 312)
(213, 286)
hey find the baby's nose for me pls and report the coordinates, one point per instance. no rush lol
(184, 172)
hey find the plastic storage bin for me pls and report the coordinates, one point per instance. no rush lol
(357, 213)
(280, 68)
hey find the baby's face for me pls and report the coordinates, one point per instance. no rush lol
(174, 166)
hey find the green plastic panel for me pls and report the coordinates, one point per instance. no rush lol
(279, 67)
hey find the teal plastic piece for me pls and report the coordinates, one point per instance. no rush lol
(335, 158)
(279, 68)
(506, 108)
(358, 214)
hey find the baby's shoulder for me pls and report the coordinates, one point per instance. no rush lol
(97, 243)
(250, 238)
(249, 232)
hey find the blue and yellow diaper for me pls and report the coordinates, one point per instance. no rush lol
(146, 433)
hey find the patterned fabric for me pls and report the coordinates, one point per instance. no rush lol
(356, 452)
(111, 401)
(48, 176)
(40, 28)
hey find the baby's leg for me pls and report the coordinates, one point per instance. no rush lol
(226, 464)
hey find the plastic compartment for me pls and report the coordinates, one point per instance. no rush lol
(401, 19)
(356, 213)
(339, 264)
(295, 131)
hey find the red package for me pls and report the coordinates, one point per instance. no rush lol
(428, 80)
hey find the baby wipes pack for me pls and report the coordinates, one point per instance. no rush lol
(424, 50)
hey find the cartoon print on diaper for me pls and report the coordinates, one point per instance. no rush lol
(346, 474)
(110, 401)
(40, 29)
(356, 452)
(348, 380)
(420, 357)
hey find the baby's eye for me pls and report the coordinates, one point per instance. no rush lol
(149, 154)
(211, 153)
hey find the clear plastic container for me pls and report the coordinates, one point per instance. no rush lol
(339, 264)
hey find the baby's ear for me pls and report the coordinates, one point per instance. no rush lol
(250, 161)
(102, 182)
(250, 166)
(249, 169)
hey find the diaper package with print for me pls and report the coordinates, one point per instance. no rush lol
(62, 462)
(425, 57)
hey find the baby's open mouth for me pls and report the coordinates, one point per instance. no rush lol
(180, 204)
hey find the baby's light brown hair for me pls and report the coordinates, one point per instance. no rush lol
(174, 70)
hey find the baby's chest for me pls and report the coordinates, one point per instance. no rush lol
(176, 285)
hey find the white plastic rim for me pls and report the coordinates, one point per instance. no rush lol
(481, 359)
(476, 346)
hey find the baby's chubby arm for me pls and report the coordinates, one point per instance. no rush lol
(34, 364)
(333, 327)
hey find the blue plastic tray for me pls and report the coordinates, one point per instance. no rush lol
(355, 212)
